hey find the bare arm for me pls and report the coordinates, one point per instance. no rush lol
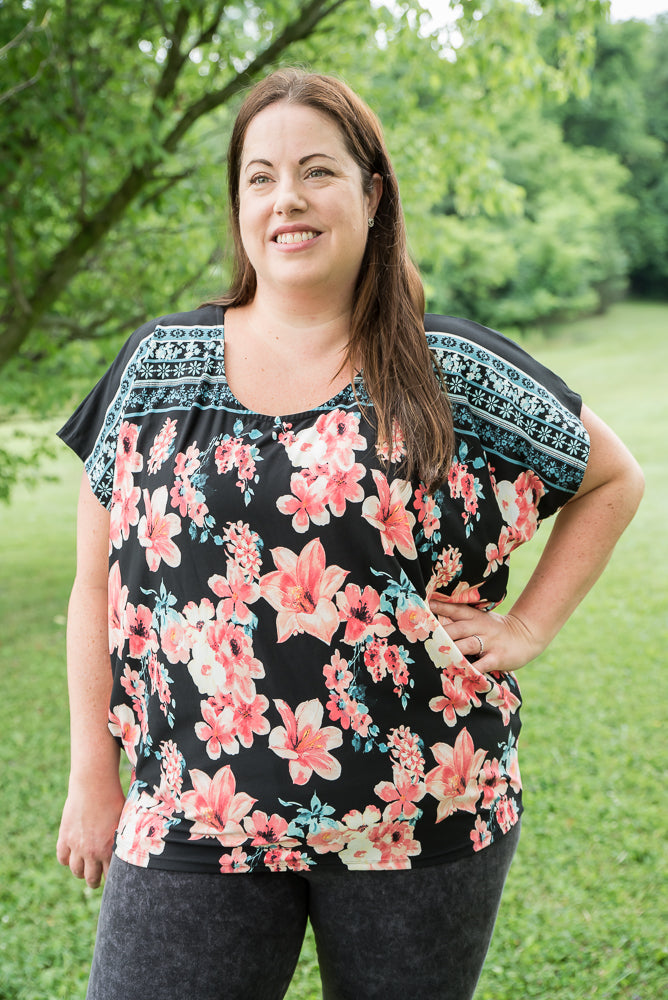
(95, 797)
(581, 542)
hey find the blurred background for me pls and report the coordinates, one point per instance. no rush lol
(530, 143)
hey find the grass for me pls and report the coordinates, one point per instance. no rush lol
(586, 908)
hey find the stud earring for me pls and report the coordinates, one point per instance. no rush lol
(372, 222)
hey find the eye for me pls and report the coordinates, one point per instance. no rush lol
(317, 172)
(259, 179)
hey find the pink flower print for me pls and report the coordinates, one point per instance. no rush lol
(428, 512)
(187, 464)
(268, 830)
(304, 744)
(171, 765)
(140, 834)
(215, 807)
(234, 862)
(128, 459)
(139, 630)
(397, 665)
(340, 433)
(162, 444)
(329, 839)
(124, 513)
(360, 610)
(503, 698)
(174, 640)
(306, 502)
(388, 513)
(395, 840)
(481, 835)
(406, 751)
(117, 599)
(513, 770)
(498, 554)
(156, 529)
(519, 503)
(277, 859)
(397, 450)
(235, 594)
(464, 593)
(249, 718)
(217, 730)
(344, 709)
(226, 454)
(233, 653)
(245, 463)
(343, 487)
(402, 794)
(123, 725)
(197, 618)
(455, 702)
(454, 781)
(301, 590)
(468, 492)
(416, 622)
(374, 659)
(506, 814)
(360, 851)
(243, 545)
(159, 682)
(337, 675)
(447, 568)
(492, 783)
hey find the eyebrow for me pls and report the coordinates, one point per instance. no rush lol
(304, 159)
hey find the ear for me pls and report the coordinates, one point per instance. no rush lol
(376, 192)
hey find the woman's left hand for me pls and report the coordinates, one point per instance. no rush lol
(495, 642)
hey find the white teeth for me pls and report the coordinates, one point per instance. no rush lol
(296, 237)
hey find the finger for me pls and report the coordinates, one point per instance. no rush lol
(63, 853)
(93, 873)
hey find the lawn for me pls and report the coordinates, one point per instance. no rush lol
(585, 912)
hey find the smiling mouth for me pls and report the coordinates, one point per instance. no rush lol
(304, 237)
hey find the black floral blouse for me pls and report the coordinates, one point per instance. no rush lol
(280, 686)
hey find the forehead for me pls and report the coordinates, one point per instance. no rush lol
(292, 129)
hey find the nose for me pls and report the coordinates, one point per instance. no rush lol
(290, 197)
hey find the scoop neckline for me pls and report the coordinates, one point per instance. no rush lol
(285, 417)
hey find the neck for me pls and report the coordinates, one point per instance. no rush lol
(307, 328)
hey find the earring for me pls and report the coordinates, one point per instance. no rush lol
(371, 223)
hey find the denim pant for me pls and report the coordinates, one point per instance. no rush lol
(420, 934)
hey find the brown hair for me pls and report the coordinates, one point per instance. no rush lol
(387, 338)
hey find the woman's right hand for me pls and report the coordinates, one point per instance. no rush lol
(89, 821)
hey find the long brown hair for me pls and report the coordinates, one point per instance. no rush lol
(387, 339)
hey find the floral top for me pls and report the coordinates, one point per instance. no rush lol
(280, 686)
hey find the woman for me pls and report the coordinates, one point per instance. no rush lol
(291, 540)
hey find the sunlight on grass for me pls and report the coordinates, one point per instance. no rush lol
(584, 914)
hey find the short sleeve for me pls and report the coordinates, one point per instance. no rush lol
(525, 416)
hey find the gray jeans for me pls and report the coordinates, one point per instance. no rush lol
(404, 935)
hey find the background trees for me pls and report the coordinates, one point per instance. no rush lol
(529, 142)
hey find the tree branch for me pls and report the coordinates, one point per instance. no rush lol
(49, 285)
(295, 31)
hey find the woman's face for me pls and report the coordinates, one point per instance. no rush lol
(303, 210)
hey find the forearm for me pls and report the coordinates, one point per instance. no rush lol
(580, 544)
(94, 751)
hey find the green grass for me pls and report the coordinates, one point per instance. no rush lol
(585, 913)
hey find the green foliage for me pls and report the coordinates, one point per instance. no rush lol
(114, 120)
(626, 113)
(582, 916)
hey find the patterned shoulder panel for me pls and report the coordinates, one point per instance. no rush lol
(522, 412)
(126, 388)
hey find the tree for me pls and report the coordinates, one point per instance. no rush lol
(115, 122)
(626, 113)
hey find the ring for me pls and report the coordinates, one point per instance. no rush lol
(482, 644)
